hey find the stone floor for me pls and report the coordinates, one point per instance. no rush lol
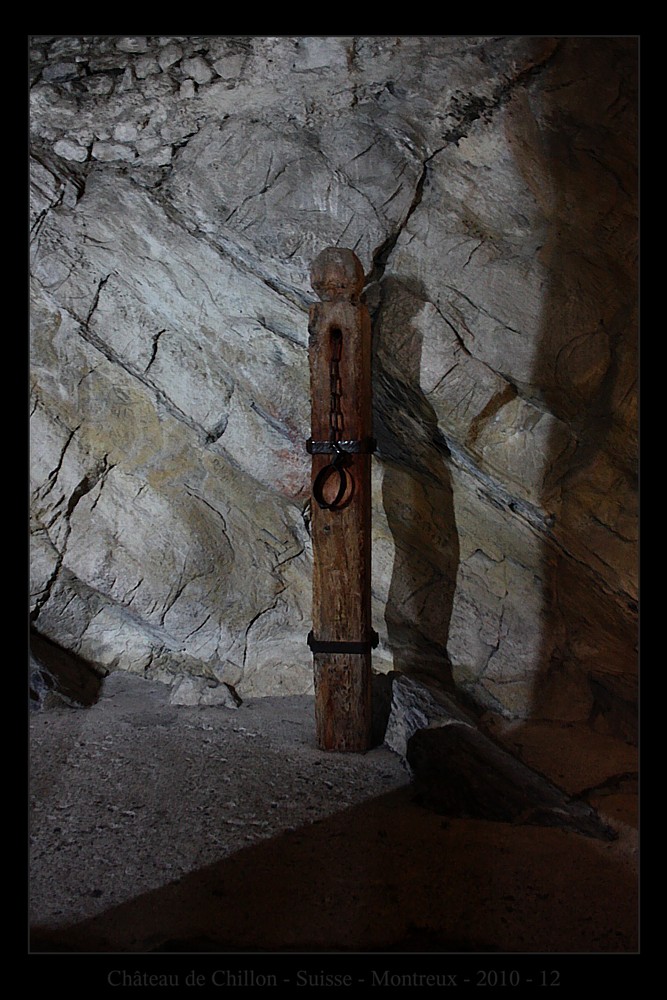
(168, 829)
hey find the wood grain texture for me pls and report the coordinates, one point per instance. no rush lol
(342, 537)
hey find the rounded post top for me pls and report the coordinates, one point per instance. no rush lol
(336, 273)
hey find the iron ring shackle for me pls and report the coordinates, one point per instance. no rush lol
(336, 465)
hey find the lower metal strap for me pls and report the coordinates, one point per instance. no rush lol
(320, 646)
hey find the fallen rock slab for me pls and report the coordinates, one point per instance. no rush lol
(458, 771)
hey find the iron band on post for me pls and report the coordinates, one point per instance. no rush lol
(364, 447)
(334, 646)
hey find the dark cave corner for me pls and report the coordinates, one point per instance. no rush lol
(60, 677)
(584, 373)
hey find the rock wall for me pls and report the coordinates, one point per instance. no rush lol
(181, 188)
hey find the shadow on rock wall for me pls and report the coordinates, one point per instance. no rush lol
(580, 167)
(416, 492)
(564, 445)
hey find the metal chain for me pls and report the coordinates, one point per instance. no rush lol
(335, 412)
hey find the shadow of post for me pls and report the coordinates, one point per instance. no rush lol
(571, 656)
(416, 492)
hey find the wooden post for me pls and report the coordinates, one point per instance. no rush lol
(341, 446)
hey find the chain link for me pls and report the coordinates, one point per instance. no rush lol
(336, 390)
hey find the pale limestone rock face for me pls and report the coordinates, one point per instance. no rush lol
(71, 151)
(181, 188)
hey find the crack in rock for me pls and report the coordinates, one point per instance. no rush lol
(53, 475)
(193, 493)
(156, 341)
(160, 396)
(475, 108)
(86, 484)
(252, 622)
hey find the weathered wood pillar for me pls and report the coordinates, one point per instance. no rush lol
(341, 446)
